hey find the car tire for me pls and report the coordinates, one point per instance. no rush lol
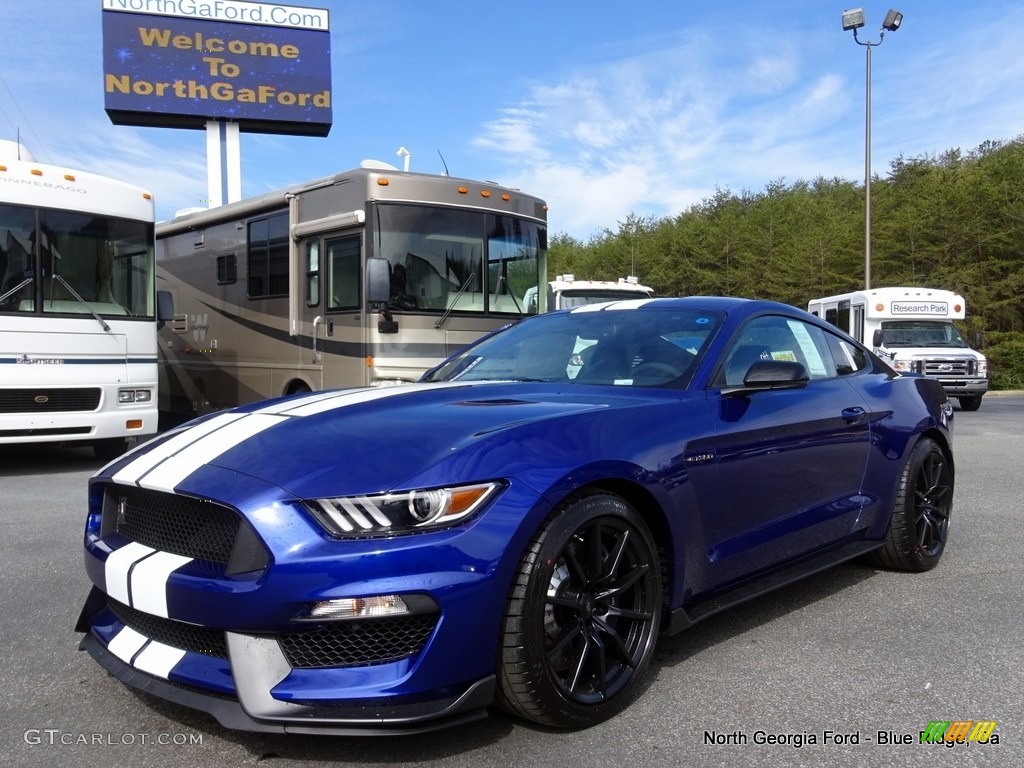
(920, 517)
(582, 615)
(971, 403)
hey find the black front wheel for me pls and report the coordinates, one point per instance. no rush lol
(582, 615)
(920, 517)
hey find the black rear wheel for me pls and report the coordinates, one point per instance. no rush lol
(582, 616)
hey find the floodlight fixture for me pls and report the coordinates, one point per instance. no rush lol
(893, 19)
(854, 19)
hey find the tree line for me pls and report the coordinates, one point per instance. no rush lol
(953, 221)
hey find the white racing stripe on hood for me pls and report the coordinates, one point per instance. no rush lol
(176, 468)
(130, 473)
(172, 461)
(343, 399)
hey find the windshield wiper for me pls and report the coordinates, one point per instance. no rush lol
(16, 288)
(455, 301)
(503, 279)
(85, 303)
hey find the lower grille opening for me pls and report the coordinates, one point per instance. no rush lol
(358, 643)
(177, 634)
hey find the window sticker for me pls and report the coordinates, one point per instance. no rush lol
(815, 365)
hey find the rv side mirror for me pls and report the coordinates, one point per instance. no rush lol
(378, 281)
(164, 307)
(876, 338)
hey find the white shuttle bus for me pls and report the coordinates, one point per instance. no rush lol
(78, 345)
(913, 329)
(365, 278)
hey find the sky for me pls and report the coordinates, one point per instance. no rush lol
(603, 109)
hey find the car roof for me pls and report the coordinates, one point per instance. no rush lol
(716, 303)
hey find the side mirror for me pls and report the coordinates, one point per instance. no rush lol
(164, 307)
(378, 281)
(771, 374)
(876, 338)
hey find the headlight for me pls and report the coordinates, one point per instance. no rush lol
(983, 368)
(134, 396)
(903, 366)
(393, 513)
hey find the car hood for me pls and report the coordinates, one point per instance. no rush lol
(374, 440)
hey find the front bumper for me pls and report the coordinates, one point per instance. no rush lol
(230, 637)
(254, 709)
(956, 387)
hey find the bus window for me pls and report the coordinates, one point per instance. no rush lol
(312, 273)
(268, 256)
(343, 273)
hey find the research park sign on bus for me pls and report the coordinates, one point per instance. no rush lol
(183, 63)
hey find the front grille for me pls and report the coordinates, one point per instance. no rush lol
(351, 643)
(953, 367)
(177, 634)
(49, 400)
(183, 525)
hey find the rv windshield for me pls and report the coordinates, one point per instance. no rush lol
(74, 263)
(921, 333)
(458, 260)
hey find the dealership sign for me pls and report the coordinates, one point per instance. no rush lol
(182, 63)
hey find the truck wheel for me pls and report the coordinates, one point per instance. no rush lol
(582, 615)
(109, 448)
(971, 403)
(920, 513)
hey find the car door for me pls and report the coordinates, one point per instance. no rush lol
(789, 463)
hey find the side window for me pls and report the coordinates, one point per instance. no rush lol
(268, 256)
(343, 273)
(773, 337)
(312, 273)
(848, 358)
(227, 269)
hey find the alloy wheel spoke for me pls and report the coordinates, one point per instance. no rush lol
(570, 634)
(580, 663)
(617, 644)
(631, 578)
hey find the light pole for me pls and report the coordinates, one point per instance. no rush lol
(854, 19)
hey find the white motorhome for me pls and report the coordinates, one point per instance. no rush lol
(77, 306)
(566, 291)
(913, 329)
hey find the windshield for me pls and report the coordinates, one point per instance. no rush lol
(921, 333)
(458, 260)
(570, 298)
(643, 347)
(58, 262)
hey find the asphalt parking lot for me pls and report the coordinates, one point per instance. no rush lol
(839, 670)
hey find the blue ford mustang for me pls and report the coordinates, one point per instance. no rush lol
(516, 528)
